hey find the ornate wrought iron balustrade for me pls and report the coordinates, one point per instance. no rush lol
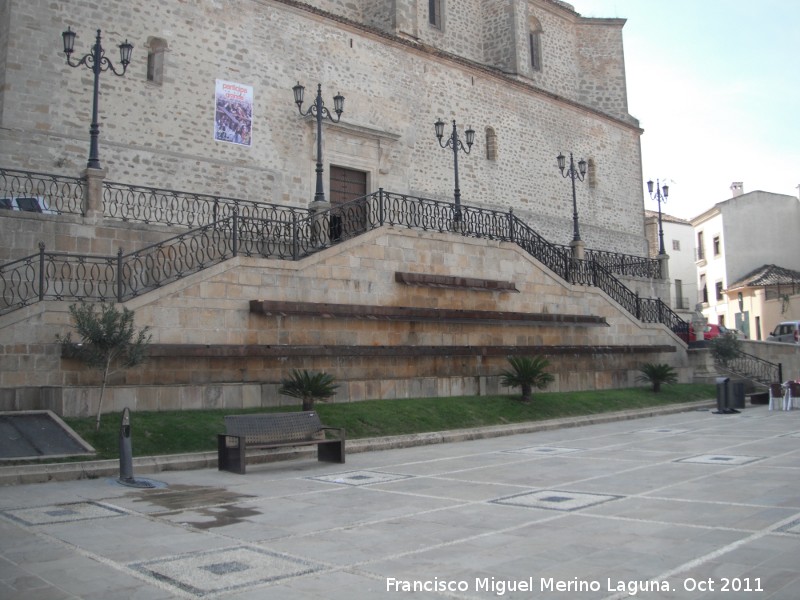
(626, 264)
(135, 203)
(287, 233)
(56, 276)
(40, 192)
(754, 368)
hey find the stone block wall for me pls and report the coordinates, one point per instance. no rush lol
(210, 349)
(161, 134)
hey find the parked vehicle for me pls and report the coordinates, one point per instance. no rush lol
(710, 331)
(787, 332)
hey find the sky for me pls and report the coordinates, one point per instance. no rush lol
(715, 84)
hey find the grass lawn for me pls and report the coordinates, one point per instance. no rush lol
(175, 432)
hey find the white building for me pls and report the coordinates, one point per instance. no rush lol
(679, 246)
(736, 237)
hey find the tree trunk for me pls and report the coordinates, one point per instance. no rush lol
(526, 392)
(100, 400)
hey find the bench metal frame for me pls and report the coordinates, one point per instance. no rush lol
(276, 430)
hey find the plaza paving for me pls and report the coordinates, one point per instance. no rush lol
(692, 504)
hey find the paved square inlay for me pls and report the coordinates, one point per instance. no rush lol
(216, 571)
(552, 450)
(555, 500)
(61, 513)
(663, 430)
(720, 459)
(360, 477)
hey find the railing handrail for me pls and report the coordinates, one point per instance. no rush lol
(62, 194)
(301, 236)
(767, 372)
(191, 209)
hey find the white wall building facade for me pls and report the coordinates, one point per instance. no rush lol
(736, 237)
(679, 247)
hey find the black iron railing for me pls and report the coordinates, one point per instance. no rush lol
(626, 264)
(753, 368)
(289, 234)
(40, 192)
(140, 204)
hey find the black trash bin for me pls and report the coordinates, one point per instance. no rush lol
(722, 395)
(725, 397)
(736, 397)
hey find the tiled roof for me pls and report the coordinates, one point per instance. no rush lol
(665, 218)
(768, 275)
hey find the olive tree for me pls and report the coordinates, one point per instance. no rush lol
(109, 341)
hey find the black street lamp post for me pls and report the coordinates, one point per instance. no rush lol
(456, 144)
(98, 62)
(662, 192)
(319, 110)
(580, 174)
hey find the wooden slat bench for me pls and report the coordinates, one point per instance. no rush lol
(276, 430)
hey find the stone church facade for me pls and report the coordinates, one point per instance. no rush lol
(398, 72)
(206, 107)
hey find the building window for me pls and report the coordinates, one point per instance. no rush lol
(703, 289)
(156, 49)
(700, 252)
(535, 42)
(676, 245)
(716, 245)
(435, 13)
(719, 290)
(491, 144)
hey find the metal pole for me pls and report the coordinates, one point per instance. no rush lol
(660, 226)
(119, 275)
(457, 191)
(125, 448)
(94, 129)
(319, 195)
(576, 235)
(41, 271)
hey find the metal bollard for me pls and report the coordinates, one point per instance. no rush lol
(126, 455)
(125, 448)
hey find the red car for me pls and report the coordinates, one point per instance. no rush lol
(710, 331)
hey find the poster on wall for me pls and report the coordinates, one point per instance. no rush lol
(233, 115)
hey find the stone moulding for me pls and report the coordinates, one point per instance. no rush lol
(276, 308)
(447, 281)
(253, 350)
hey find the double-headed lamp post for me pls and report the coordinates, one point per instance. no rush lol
(319, 110)
(456, 144)
(98, 62)
(662, 192)
(580, 174)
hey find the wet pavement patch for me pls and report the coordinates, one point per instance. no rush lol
(217, 507)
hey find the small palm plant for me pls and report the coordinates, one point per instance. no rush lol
(308, 386)
(657, 374)
(526, 372)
